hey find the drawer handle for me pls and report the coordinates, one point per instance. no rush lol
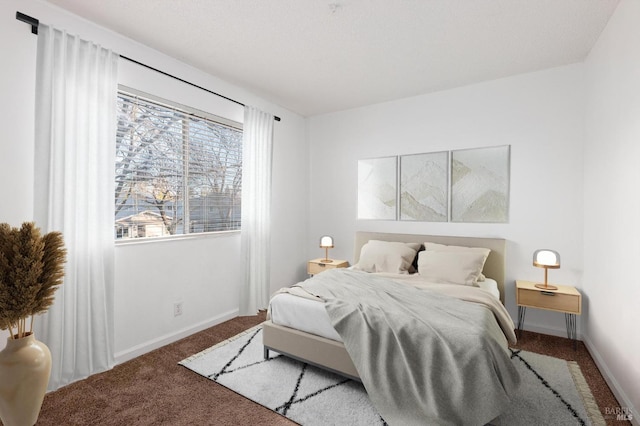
(547, 293)
(322, 265)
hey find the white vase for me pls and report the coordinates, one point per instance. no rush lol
(25, 366)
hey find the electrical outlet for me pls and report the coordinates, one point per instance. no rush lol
(177, 309)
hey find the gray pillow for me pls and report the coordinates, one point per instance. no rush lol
(386, 256)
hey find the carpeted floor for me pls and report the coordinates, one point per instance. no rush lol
(154, 390)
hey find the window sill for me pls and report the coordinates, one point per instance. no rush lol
(154, 240)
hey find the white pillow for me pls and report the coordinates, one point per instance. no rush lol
(452, 264)
(385, 256)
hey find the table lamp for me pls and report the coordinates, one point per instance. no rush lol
(326, 242)
(547, 259)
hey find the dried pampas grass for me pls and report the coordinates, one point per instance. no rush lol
(31, 269)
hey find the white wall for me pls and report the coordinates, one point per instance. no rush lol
(202, 273)
(539, 114)
(612, 214)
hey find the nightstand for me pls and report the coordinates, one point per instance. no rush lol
(316, 266)
(565, 299)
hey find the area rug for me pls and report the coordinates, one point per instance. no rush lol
(553, 391)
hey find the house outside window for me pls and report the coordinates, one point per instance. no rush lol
(178, 170)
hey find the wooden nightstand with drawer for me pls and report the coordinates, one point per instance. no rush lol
(565, 299)
(316, 266)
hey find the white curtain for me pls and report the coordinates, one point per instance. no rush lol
(76, 86)
(256, 209)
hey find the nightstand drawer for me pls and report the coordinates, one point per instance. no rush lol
(554, 301)
(317, 265)
(316, 268)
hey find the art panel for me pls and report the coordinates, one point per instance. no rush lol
(377, 188)
(424, 194)
(480, 185)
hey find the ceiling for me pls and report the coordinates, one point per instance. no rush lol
(319, 56)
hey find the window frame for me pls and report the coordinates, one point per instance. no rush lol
(191, 112)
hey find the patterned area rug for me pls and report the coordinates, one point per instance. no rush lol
(553, 391)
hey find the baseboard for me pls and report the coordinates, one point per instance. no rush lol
(159, 342)
(621, 396)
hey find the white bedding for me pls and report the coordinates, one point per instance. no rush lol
(310, 315)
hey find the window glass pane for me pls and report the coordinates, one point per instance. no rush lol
(215, 176)
(175, 173)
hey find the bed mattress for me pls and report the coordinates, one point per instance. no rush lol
(310, 316)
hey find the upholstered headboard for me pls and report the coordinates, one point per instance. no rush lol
(494, 267)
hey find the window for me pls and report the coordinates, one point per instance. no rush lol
(178, 170)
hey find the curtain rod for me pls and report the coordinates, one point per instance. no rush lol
(34, 30)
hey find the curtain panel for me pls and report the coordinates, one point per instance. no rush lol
(257, 153)
(76, 86)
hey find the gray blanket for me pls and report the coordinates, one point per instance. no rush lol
(424, 358)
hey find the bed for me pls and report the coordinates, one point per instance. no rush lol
(319, 342)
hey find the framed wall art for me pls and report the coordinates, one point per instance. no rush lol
(377, 188)
(424, 187)
(480, 185)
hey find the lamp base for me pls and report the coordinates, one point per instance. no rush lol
(326, 261)
(546, 287)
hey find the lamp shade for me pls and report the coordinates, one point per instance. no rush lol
(545, 258)
(326, 242)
